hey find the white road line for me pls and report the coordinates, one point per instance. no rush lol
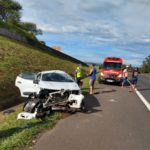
(146, 103)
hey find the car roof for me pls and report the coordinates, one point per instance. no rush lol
(53, 71)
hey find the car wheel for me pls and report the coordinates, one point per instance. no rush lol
(83, 107)
(29, 106)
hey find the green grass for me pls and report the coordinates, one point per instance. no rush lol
(16, 57)
(12, 136)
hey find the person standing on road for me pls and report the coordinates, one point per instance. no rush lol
(78, 75)
(125, 76)
(92, 78)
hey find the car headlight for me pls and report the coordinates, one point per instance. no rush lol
(120, 75)
(102, 74)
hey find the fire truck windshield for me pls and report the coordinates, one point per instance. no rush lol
(112, 65)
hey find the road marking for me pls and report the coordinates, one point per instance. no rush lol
(146, 103)
(112, 100)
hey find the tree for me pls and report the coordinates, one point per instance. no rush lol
(42, 42)
(10, 11)
(57, 47)
(31, 27)
(146, 65)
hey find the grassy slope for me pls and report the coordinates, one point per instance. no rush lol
(16, 57)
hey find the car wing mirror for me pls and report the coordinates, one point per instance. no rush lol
(35, 81)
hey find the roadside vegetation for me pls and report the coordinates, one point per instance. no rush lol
(10, 18)
(23, 133)
(146, 65)
(20, 133)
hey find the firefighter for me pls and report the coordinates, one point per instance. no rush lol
(78, 75)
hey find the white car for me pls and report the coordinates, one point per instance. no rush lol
(53, 80)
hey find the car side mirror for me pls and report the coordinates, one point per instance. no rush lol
(35, 81)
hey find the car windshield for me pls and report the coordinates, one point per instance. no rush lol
(28, 75)
(57, 77)
(112, 65)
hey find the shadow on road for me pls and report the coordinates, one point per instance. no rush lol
(96, 93)
(91, 102)
(88, 89)
(108, 90)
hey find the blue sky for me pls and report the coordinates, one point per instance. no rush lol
(90, 30)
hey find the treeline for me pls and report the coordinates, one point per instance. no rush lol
(10, 12)
(146, 65)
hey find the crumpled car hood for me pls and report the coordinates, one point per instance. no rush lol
(59, 85)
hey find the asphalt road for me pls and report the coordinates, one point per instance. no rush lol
(116, 120)
(144, 86)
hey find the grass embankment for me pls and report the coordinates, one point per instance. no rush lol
(13, 136)
(16, 57)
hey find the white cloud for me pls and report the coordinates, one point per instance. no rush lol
(147, 40)
(118, 23)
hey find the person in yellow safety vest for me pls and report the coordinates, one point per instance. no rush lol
(79, 75)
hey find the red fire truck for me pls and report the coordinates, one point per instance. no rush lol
(111, 70)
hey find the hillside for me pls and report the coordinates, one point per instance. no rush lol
(16, 57)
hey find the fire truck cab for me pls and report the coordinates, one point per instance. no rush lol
(111, 70)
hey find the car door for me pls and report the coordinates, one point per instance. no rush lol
(24, 82)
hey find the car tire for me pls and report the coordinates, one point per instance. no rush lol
(83, 107)
(28, 106)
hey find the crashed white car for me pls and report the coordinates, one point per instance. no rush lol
(53, 80)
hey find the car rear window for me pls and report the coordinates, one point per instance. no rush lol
(28, 76)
